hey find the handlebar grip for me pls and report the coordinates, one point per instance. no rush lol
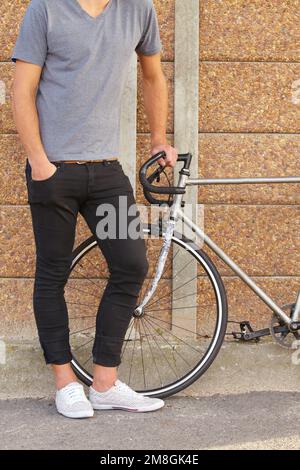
(156, 189)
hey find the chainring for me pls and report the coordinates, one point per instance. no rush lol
(285, 338)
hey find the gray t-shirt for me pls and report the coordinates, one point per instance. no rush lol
(85, 62)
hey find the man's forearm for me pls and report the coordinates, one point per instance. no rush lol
(27, 123)
(156, 107)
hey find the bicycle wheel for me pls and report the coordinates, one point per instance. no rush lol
(161, 355)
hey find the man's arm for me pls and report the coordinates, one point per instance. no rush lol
(155, 93)
(26, 80)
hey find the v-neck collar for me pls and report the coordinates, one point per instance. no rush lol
(94, 18)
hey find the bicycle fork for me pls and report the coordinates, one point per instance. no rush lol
(168, 234)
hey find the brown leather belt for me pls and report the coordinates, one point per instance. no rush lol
(82, 162)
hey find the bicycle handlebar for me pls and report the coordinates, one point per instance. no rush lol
(146, 181)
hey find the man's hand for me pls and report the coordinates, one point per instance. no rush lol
(171, 154)
(42, 171)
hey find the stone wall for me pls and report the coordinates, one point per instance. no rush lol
(249, 123)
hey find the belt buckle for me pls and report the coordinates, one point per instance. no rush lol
(81, 163)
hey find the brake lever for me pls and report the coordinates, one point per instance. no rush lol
(155, 176)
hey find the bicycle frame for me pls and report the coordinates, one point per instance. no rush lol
(177, 214)
(184, 181)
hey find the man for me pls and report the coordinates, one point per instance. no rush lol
(72, 58)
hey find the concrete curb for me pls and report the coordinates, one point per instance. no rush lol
(239, 368)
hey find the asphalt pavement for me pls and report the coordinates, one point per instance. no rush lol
(256, 420)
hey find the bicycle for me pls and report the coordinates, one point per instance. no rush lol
(160, 356)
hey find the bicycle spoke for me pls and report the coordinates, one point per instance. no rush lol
(88, 360)
(161, 382)
(173, 308)
(80, 331)
(90, 262)
(184, 296)
(83, 291)
(174, 290)
(132, 355)
(82, 318)
(84, 344)
(85, 278)
(143, 365)
(182, 269)
(162, 351)
(177, 337)
(83, 305)
(171, 345)
(127, 341)
(177, 326)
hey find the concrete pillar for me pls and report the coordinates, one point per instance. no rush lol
(129, 124)
(186, 106)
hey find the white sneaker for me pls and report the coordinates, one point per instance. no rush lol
(71, 402)
(122, 397)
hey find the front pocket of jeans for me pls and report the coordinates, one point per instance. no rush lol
(47, 179)
(44, 191)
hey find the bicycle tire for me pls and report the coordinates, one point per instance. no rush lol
(220, 329)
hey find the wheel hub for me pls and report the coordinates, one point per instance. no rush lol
(138, 312)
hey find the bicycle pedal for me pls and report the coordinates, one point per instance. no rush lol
(247, 333)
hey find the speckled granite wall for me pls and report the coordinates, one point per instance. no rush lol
(249, 124)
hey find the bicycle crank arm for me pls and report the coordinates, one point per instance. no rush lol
(248, 334)
(255, 335)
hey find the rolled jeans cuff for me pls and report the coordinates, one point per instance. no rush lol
(57, 352)
(107, 351)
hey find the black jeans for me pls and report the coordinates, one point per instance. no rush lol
(55, 204)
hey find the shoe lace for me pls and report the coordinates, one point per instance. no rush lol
(129, 391)
(75, 394)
